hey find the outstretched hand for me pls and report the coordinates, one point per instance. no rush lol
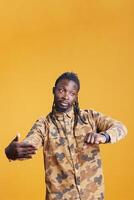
(95, 138)
(19, 150)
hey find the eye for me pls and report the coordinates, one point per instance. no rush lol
(60, 90)
(73, 93)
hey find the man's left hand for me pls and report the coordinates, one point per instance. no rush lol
(95, 138)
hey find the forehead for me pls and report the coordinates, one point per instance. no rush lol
(68, 84)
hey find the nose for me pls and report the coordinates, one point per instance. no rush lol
(66, 96)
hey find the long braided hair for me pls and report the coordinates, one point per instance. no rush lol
(77, 114)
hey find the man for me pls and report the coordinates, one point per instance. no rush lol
(70, 138)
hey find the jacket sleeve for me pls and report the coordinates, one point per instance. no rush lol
(105, 124)
(37, 134)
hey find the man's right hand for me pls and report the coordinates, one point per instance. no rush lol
(19, 150)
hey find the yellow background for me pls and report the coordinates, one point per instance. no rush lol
(39, 40)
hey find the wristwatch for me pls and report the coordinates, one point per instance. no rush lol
(107, 136)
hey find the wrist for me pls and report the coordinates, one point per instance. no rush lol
(107, 137)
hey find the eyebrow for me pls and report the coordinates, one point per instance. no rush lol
(63, 86)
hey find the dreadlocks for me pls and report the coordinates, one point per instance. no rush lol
(77, 114)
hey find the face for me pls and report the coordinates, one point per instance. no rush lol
(65, 94)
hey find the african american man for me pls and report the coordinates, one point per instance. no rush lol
(70, 138)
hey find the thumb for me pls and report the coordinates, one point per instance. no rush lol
(101, 139)
(16, 139)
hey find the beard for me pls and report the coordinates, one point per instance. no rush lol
(62, 105)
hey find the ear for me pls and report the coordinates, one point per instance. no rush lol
(53, 90)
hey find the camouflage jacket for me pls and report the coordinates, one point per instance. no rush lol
(73, 171)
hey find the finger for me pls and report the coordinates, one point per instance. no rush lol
(25, 156)
(28, 152)
(27, 149)
(25, 145)
(101, 139)
(92, 139)
(31, 152)
(86, 137)
(97, 141)
(21, 159)
(18, 135)
(16, 139)
(85, 145)
(89, 138)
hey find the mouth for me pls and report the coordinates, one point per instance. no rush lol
(63, 103)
